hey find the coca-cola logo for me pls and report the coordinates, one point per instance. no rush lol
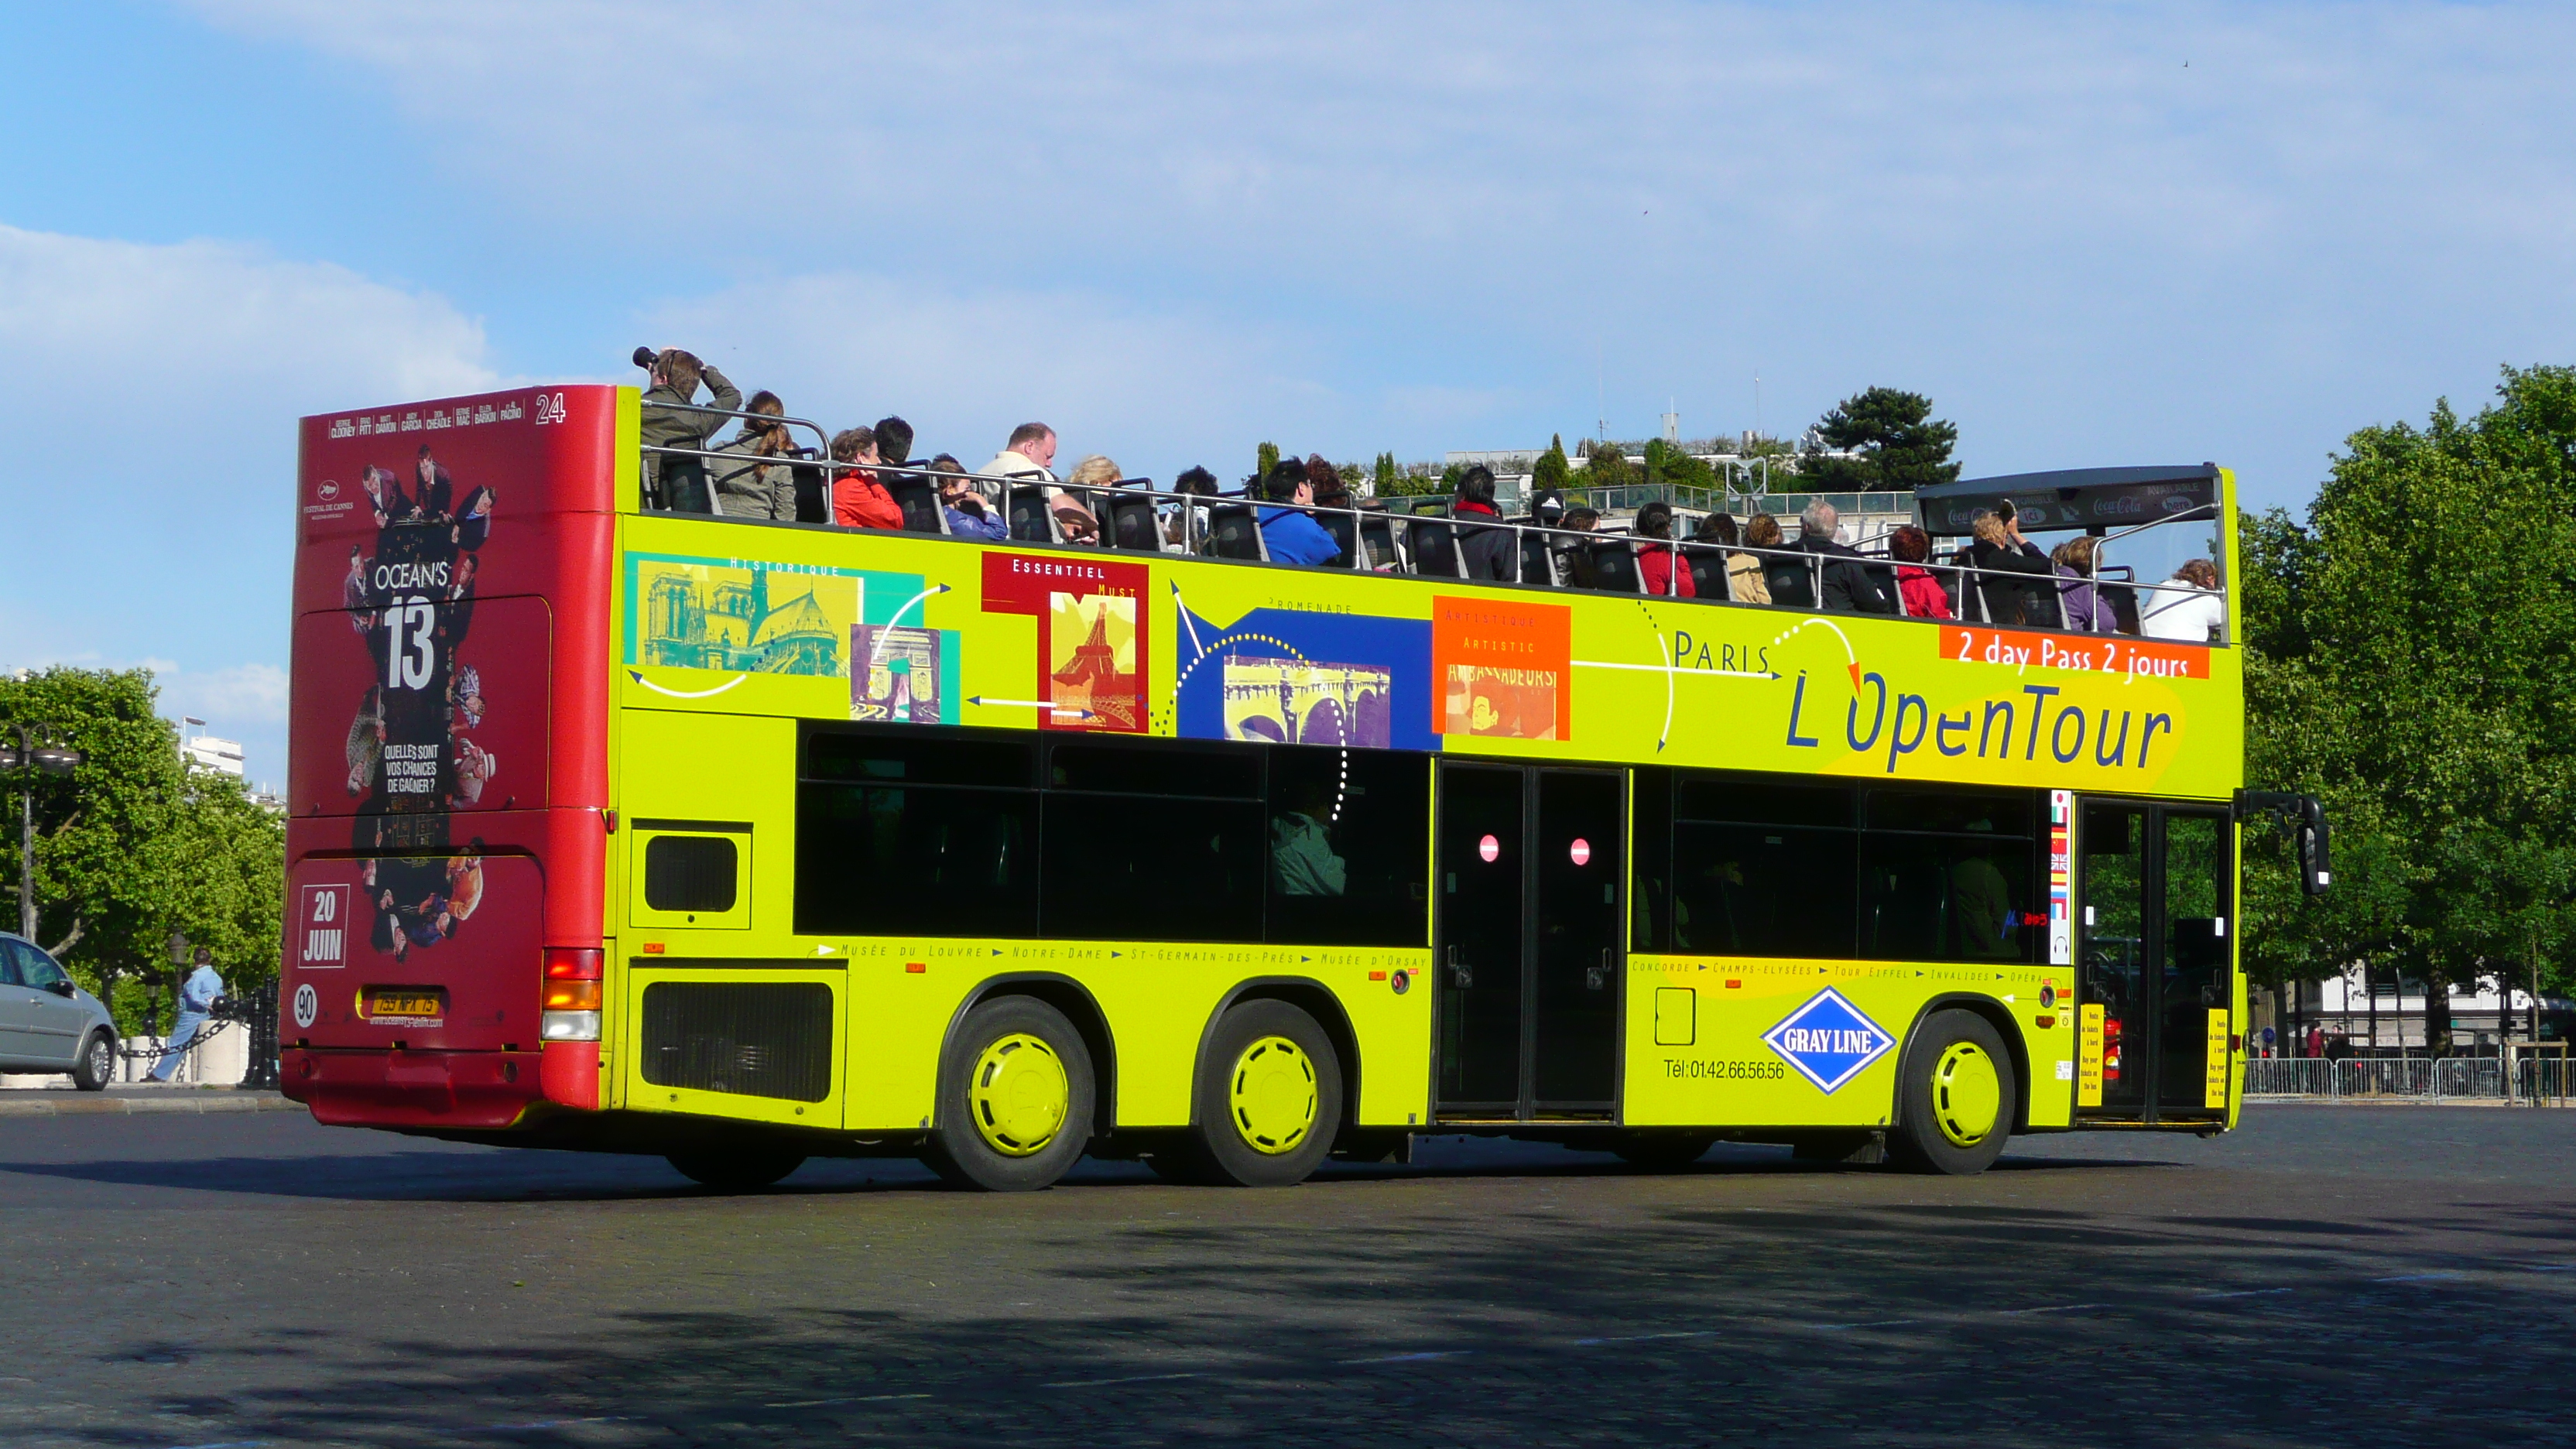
(327, 491)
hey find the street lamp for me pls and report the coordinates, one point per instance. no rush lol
(31, 760)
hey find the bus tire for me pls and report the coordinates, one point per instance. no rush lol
(1662, 1151)
(1015, 1098)
(735, 1171)
(1955, 1097)
(1269, 1098)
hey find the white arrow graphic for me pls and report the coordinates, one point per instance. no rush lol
(1048, 705)
(638, 676)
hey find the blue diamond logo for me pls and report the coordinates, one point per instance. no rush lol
(1828, 1040)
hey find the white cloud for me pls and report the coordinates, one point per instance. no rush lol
(2095, 233)
(151, 415)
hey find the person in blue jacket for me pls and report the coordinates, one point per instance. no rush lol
(1290, 534)
(197, 997)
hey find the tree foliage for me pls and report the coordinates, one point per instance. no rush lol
(133, 844)
(1267, 458)
(1669, 464)
(1901, 445)
(1550, 469)
(2406, 653)
(1608, 467)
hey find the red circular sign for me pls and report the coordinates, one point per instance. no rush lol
(1490, 848)
(1581, 850)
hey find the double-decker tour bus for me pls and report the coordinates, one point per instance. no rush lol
(742, 841)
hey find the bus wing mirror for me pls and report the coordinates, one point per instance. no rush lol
(2302, 818)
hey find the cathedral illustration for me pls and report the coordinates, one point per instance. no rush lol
(727, 623)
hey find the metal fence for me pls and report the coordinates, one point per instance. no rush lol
(2448, 1078)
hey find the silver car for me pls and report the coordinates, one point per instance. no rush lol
(47, 1024)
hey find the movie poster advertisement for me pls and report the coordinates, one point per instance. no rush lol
(421, 686)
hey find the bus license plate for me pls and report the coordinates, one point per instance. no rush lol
(405, 1007)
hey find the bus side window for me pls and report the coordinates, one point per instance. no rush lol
(926, 835)
(1762, 867)
(1348, 862)
(1951, 875)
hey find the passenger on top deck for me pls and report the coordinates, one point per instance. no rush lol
(1916, 586)
(2189, 614)
(969, 516)
(1490, 550)
(1849, 586)
(1288, 534)
(1188, 523)
(2000, 552)
(2080, 599)
(680, 483)
(1657, 564)
(1025, 458)
(858, 499)
(757, 487)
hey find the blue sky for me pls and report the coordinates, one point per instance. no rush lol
(2094, 234)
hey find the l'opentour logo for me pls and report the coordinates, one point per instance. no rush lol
(1828, 1041)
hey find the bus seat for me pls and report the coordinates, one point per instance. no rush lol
(1377, 534)
(918, 497)
(1130, 521)
(1614, 566)
(1031, 520)
(1790, 580)
(1435, 549)
(1538, 560)
(1707, 571)
(1345, 532)
(1233, 532)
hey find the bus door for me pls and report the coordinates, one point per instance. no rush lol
(2154, 992)
(1531, 882)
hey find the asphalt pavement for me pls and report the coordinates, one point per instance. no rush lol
(2337, 1276)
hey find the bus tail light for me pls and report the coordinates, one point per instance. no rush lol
(572, 993)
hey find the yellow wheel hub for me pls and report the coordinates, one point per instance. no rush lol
(1967, 1094)
(1019, 1094)
(1273, 1099)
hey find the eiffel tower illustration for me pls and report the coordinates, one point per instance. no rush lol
(1090, 680)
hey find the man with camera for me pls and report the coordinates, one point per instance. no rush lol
(679, 484)
(198, 996)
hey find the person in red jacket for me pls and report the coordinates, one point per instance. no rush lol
(858, 499)
(1924, 597)
(1655, 561)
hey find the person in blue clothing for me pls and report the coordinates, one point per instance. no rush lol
(969, 516)
(197, 998)
(1289, 533)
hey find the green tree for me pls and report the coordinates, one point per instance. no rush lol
(1550, 469)
(133, 844)
(2405, 660)
(1383, 477)
(1901, 445)
(1675, 467)
(1268, 457)
(1607, 467)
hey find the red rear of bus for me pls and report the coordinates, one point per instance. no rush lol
(447, 760)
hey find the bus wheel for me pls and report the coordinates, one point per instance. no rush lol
(1014, 1098)
(1269, 1098)
(743, 1171)
(1662, 1151)
(1955, 1097)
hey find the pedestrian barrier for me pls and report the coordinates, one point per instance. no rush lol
(2289, 1077)
(2446, 1078)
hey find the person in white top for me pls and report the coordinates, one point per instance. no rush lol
(2185, 614)
(1031, 449)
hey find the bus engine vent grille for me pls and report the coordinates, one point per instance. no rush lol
(751, 1039)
